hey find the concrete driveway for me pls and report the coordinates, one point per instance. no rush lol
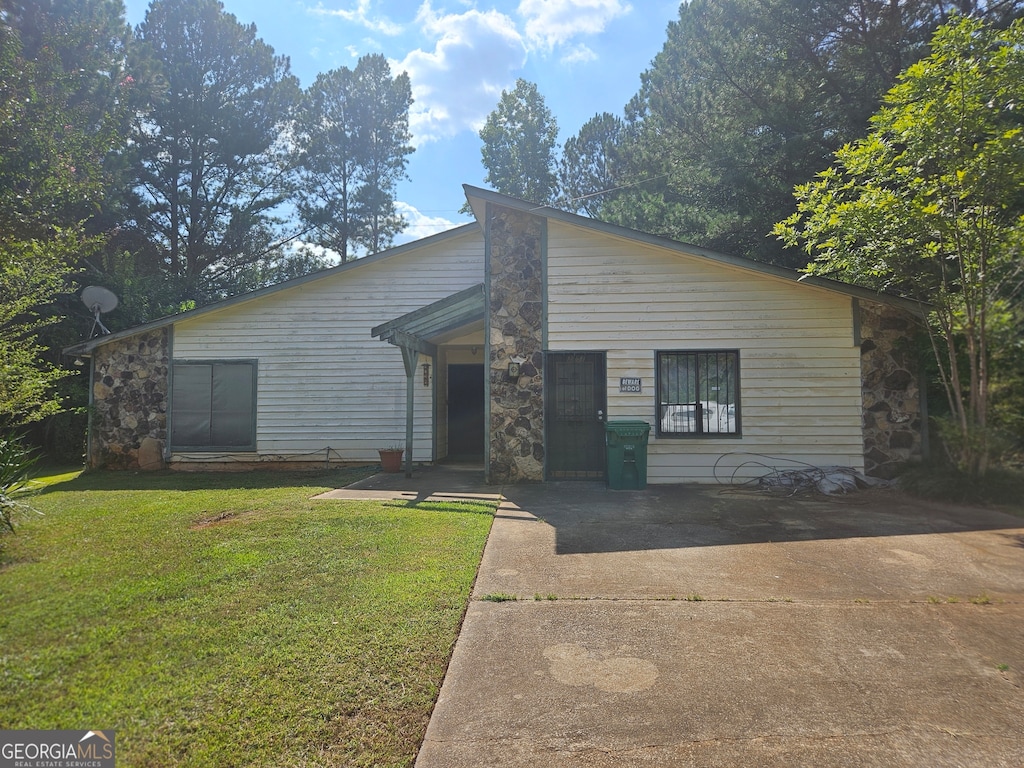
(702, 626)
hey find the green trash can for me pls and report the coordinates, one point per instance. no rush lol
(626, 443)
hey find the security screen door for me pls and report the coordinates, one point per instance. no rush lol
(575, 406)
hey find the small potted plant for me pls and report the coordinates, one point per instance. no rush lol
(391, 457)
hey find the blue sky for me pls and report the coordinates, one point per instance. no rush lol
(585, 56)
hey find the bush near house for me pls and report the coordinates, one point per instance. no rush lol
(16, 463)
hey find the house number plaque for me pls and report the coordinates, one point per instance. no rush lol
(630, 385)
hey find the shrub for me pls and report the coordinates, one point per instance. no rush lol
(939, 480)
(16, 464)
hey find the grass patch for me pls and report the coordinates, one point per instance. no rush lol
(230, 620)
(499, 597)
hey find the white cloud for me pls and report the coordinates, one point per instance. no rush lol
(459, 82)
(550, 23)
(421, 225)
(332, 257)
(472, 56)
(362, 15)
(578, 54)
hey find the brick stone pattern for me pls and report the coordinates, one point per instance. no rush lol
(890, 388)
(516, 434)
(129, 391)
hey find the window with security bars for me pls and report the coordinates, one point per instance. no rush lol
(698, 393)
(213, 405)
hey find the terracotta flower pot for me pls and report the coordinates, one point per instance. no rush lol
(391, 460)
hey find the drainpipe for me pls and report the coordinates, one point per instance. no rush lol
(410, 357)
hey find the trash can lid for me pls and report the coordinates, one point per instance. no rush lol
(626, 428)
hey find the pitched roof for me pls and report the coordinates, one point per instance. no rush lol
(85, 348)
(477, 197)
(424, 327)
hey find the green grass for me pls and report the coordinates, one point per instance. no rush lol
(499, 597)
(230, 620)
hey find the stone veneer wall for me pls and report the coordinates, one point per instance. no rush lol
(129, 395)
(890, 387)
(515, 327)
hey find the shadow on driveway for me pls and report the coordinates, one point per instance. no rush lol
(589, 518)
(708, 626)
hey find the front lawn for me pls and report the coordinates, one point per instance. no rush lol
(230, 620)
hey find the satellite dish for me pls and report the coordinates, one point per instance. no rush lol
(99, 300)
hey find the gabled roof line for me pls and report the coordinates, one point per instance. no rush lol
(436, 317)
(741, 262)
(85, 348)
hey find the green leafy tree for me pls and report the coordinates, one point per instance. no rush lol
(32, 273)
(213, 165)
(353, 144)
(1007, 366)
(520, 140)
(61, 91)
(750, 97)
(73, 52)
(931, 204)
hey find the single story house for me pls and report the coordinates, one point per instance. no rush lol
(512, 340)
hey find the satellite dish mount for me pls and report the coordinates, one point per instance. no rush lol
(99, 300)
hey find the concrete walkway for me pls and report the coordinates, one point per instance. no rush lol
(703, 626)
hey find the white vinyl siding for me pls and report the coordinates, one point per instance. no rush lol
(799, 368)
(324, 382)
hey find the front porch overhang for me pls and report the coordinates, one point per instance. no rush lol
(419, 332)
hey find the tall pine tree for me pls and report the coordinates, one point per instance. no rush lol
(353, 143)
(590, 165)
(213, 163)
(748, 98)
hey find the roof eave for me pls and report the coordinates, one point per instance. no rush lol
(86, 348)
(476, 195)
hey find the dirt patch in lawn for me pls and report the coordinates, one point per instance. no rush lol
(220, 518)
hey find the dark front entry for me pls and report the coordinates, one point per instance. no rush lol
(466, 411)
(575, 405)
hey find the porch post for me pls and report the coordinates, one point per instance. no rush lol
(409, 357)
